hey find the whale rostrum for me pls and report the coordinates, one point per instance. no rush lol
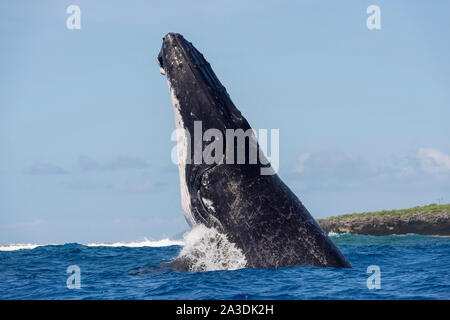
(257, 212)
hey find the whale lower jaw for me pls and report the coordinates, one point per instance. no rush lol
(181, 153)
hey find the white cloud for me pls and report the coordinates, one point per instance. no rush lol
(87, 164)
(300, 165)
(125, 162)
(119, 163)
(142, 185)
(87, 185)
(327, 170)
(434, 161)
(42, 168)
(332, 165)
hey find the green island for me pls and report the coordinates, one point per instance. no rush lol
(432, 219)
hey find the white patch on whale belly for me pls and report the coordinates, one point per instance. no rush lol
(181, 150)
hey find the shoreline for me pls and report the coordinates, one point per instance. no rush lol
(430, 220)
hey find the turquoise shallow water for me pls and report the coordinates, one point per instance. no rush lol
(412, 267)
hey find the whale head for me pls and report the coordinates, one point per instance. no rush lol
(200, 104)
(200, 95)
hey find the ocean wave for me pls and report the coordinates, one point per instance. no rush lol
(337, 235)
(19, 246)
(134, 244)
(137, 244)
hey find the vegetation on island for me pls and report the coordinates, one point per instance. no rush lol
(430, 209)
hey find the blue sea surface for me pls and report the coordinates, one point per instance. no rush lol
(412, 267)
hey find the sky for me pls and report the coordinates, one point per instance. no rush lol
(86, 119)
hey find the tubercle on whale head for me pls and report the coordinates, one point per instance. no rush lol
(194, 83)
(175, 51)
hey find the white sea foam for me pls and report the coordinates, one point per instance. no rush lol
(134, 244)
(337, 234)
(18, 246)
(207, 250)
(137, 244)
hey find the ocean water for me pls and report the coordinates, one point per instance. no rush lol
(411, 267)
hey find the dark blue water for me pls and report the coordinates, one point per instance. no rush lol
(412, 267)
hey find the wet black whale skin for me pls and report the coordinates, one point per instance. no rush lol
(258, 213)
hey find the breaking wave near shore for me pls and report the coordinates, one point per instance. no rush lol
(133, 244)
(204, 249)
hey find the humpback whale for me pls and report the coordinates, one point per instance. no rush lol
(258, 213)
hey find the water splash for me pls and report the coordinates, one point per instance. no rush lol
(205, 249)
